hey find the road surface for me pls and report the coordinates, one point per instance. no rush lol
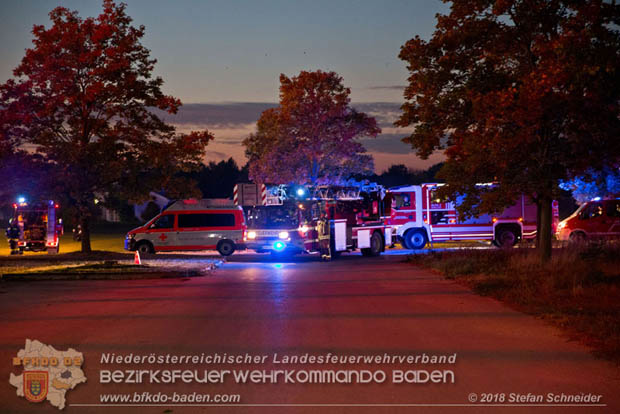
(349, 307)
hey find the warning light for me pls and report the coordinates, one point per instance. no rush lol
(21, 199)
(494, 219)
(279, 246)
(301, 192)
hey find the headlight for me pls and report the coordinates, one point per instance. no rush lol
(283, 235)
(251, 235)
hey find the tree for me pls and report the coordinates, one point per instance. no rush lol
(311, 136)
(524, 93)
(81, 99)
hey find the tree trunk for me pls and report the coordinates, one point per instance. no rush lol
(85, 223)
(544, 245)
(538, 215)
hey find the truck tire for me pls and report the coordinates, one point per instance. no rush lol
(145, 247)
(376, 245)
(415, 239)
(506, 238)
(226, 247)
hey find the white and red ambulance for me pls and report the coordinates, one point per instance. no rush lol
(190, 225)
(418, 216)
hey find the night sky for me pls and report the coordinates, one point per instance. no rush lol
(223, 58)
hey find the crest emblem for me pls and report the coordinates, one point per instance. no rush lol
(36, 385)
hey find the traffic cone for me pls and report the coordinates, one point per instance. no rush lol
(136, 258)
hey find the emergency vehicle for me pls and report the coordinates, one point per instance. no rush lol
(209, 224)
(418, 216)
(39, 226)
(294, 219)
(596, 219)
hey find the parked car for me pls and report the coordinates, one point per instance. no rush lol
(596, 219)
(187, 225)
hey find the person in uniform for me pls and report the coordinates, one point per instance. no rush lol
(324, 237)
(12, 233)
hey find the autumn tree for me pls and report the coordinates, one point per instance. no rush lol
(311, 136)
(524, 93)
(81, 97)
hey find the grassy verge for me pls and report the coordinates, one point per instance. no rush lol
(578, 290)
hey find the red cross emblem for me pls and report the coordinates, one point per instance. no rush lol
(163, 237)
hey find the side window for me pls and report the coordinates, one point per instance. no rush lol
(592, 211)
(164, 222)
(402, 201)
(206, 220)
(613, 208)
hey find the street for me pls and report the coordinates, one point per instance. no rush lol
(351, 306)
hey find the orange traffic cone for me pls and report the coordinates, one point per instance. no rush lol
(136, 258)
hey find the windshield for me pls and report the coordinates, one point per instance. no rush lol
(273, 217)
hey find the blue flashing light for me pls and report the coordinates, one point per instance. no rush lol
(301, 192)
(279, 246)
(21, 199)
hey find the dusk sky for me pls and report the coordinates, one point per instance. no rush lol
(223, 58)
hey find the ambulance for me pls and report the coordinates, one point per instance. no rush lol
(191, 225)
(598, 219)
(418, 216)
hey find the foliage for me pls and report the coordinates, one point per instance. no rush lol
(520, 92)
(594, 184)
(216, 180)
(311, 136)
(81, 98)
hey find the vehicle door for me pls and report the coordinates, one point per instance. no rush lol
(403, 208)
(594, 221)
(161, 232)
(612, 210)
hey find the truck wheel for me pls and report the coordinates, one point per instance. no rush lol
(145, 247)
(506, 238)
(376, 245)
(415, 239)
(226, 247)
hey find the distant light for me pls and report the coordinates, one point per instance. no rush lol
(279, 246)
(21, 199)
(301, 192)
(596, 199)
(283, 235)
(96, 201)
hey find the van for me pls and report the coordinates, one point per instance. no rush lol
(596, 219)
(190, 225)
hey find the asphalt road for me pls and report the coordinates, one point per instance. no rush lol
(352, 306)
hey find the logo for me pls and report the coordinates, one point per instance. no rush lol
(35, 385)
(48, 374)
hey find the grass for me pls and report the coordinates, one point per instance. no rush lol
(104, 237)
(578, 289)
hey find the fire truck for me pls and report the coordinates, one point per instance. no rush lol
(301, 219)
(418, 216)
(39, 226)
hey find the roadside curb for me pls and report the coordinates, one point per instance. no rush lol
(154, 274)
(33, 277)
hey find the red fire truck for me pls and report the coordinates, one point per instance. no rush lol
(419, 216)
(39, 227)
(300, 219)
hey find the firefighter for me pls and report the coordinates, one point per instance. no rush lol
(12, 233)
(324, 237)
